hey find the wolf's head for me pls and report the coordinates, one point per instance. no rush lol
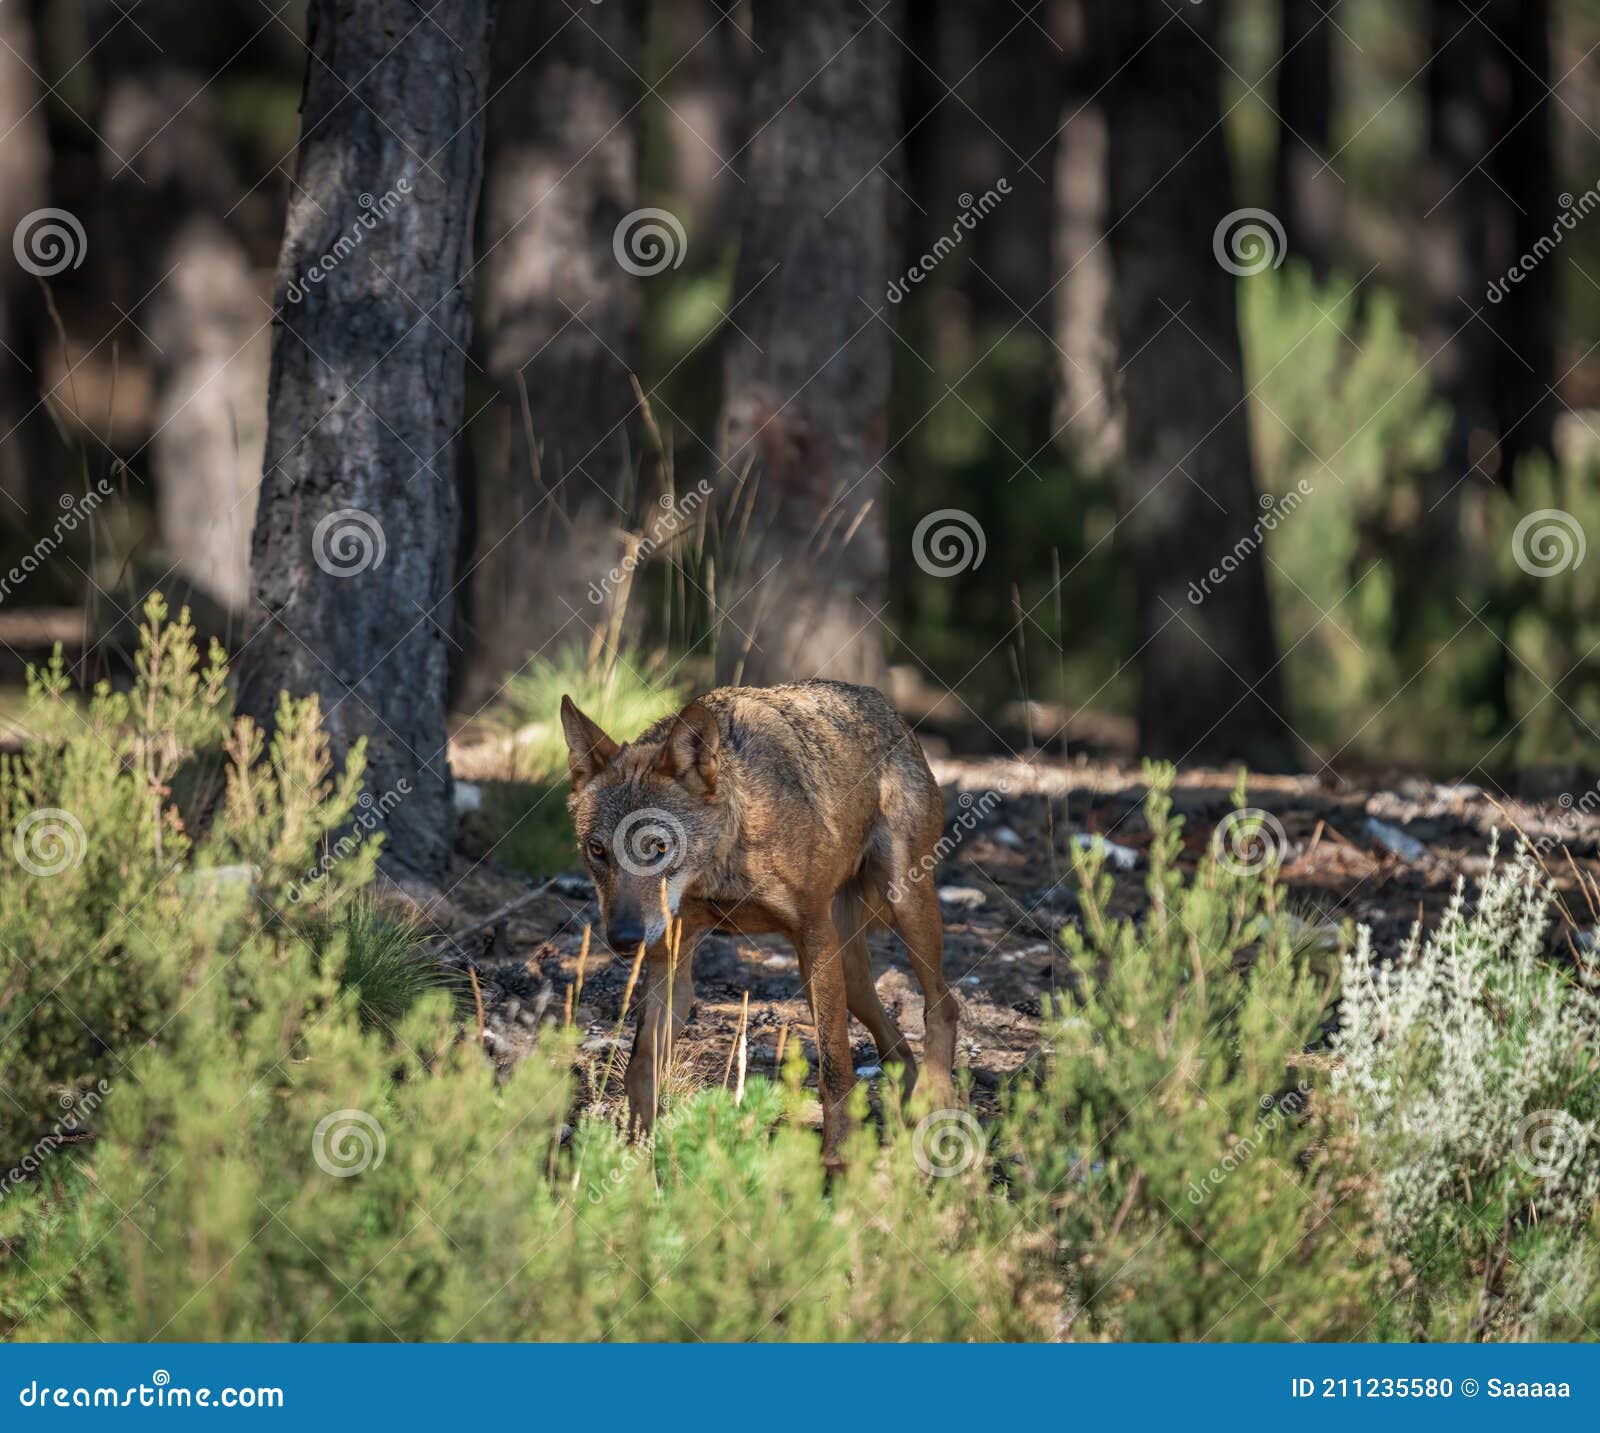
(645, 813)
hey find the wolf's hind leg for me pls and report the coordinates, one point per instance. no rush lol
(852, 918)
(915, 904)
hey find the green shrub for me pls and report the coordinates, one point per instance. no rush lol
(1182, 1142)
(1472, 1067)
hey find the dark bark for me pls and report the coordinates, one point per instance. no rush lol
(1308, 193)
(25, 486)
(1461, 200)
(354, 542)
(184, 273)
(1015, 94)
(560, 323)
(807, 375)
(1209, 685)
(1523, 166)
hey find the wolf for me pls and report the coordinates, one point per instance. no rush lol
(806, 811)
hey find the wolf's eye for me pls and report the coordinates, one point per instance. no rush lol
(597, 852)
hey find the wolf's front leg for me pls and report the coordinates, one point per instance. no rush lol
(667, 985)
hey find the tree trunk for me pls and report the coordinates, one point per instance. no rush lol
(1088, 404)
(807, 375)
(26, 494)
(1308, 193)
(1209, 687)
(1523, 166)
(355, 538)
(186, 277)
(560, 326)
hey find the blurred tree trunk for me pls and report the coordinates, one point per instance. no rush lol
(807, 378)
(1523, 166)
(560, 328)
(186, 279)
(1209, 684)
(354, 542)
(1308, 194)
(25, 486)
(1089, 406)
(1461, 199)
(1016, 92)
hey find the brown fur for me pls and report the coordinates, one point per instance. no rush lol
(801, 810)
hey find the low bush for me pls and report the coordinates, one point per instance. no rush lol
(274, 1127)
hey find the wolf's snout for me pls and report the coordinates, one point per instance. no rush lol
(624, 933)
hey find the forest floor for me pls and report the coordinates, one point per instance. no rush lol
(1383, 853)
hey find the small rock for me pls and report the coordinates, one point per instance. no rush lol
(1393, 839)
(1007, 838)
(963, 896)
(598, 1044)
(971, 980)
(1124, 858)
(869, 1072)
(779, 962)
(468, 797)
(578, 887)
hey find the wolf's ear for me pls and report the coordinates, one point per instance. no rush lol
(689, 754)
(588, 748)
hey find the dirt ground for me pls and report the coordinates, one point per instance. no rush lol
(1380, 852)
